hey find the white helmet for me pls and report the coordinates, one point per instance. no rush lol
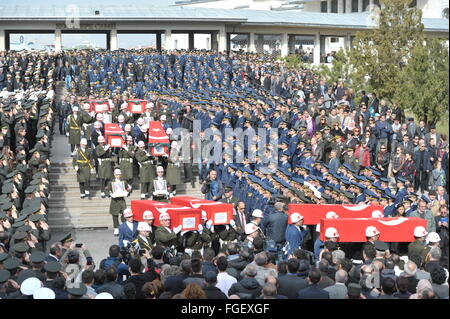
(83, 141)
(141, 144)
(101, 139)
(169, 131)
(296, 217)
(160, 169)
(142, 226)
(258, 213)
(331, 215)
(127, 212)
(144, 128)
(377, 214)
(104, 295)
(117, 171)
(140, 121)
(99, 117)
(163, 118)
(250, 228)
(371, 231)
(420, 231)
(121, 118)
(127, 128)
(433, 237)
(174, 144)
(97, 125)
(164, 216)
(75, 109)
(331, 232)
(147, 215)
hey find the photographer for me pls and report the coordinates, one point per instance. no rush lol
(114, 260)
(212, 187)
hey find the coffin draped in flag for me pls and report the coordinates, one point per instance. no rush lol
(114, 135)
(313, 213)
(189, 218)
(97, 105)
(219, 213)
(158, 141)
(137, 106)
(391, 229)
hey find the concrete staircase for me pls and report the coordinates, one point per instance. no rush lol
(68, 211)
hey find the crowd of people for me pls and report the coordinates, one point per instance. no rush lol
(323, 144)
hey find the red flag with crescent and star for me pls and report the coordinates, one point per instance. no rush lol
(158, 141)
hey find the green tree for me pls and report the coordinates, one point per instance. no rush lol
(379, 54)
(339, 69)
(423, 84)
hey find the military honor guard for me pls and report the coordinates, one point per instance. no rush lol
(117, 189)
(83, 162)
(146, 169)
(103, 152)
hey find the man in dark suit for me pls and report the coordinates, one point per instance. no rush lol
(313, 291)
(275, 224)
(137, 277)
(291, 284)
(406, 146)
(240, 218)
(423, 167)
(54, 253)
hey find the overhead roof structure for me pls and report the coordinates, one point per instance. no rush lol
(166, 10)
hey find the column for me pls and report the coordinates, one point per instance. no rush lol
(348, 6)
(329, 6)
(371, 4)
(347, 42)
(251, 44)
(360, 5)
(284, 44)
(114, 45)
(168, 40)
(340, 6)
(58, 40)
(2, 40)
(316, 49)
(222, 40)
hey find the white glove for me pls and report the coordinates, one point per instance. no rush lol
(227, 227)
(77, 168)
(154, 193)
(183, 232)
(67, 134)
(209, 224)
(171, 195)
(177, 229)
(200, 228)
(233, 223)
(125, 242)
(107, 147)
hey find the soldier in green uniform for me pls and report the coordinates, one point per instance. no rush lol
(251, 230)
(103, 153)
(418, 246)
(147, 216)
(126, 156)
(350, 159)
(146, 170)
(75, 123)
(42, 145)
(83, 162)
(165, 236)
(117, 189)
(88, 120)
(195, 240)
(173, 171)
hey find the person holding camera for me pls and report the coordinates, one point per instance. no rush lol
(212, 187)
(128, 229)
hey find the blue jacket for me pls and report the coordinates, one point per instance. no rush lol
(294, 237)
(126, 234)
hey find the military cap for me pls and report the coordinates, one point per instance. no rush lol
(4, 276)
(67, 238)
(11, 263)
(425, 198)
(25, 274)
(401, 180)
(52, 266)
(24, 229)
(349, 195)
(360, 178)
(3, 257)
(77, 291)
(7, 188)
(370, 194)
(35, 182)
(18, 235)
(326, 197)
(384, 180)
(21, 247)
(359, 185)
(18, 224)
(37, 257)
(381, 245)
(12, 174)
(36, 217)
(7, 205)
(40, 134)
(30, 189)
(228, 188)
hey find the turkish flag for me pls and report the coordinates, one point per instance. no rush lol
(137, 106)
(157, 139)
(188, 217)
(313, 213)
(219, 213)
(391, 229)
(114, 135)
(97, 105)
